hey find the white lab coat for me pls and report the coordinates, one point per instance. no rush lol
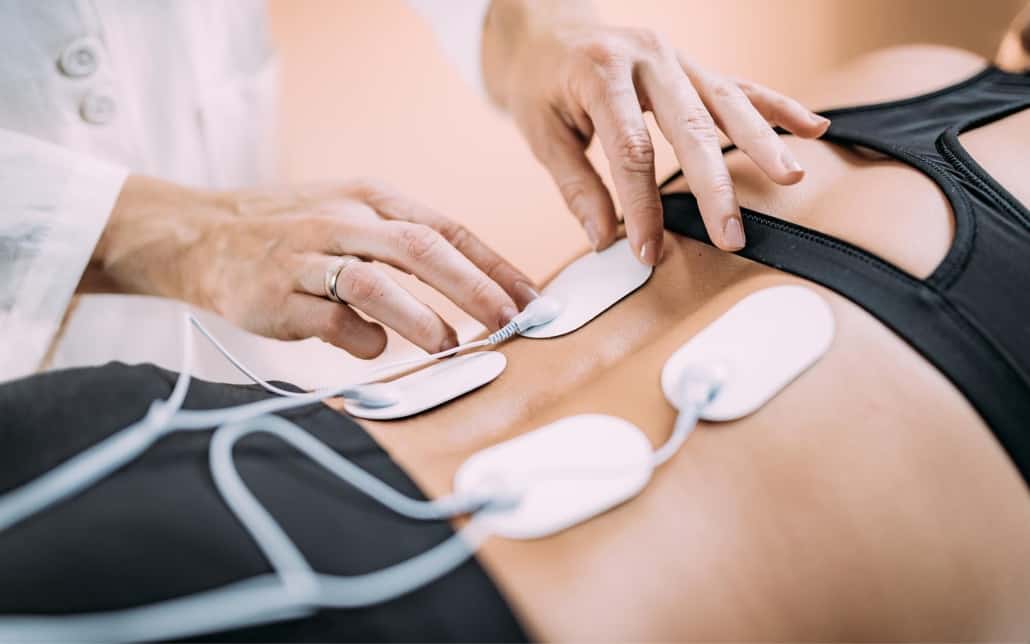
(91, 90)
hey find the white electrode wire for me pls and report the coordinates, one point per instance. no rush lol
(254, 601)
(287, 560)
(182, 383)
(89, 466)
(686, 422)
(257, 600)
(164, 417)
(251, 602)
(267, 386)
(698, 387)
(375, 374)
(418, 360)
(282, 553)
(408, 576)
(195, 419)
(224, 470)
(296, 589)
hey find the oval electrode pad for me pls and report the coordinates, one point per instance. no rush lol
(591, 285)
(561, 474)
(762, 343)
(435, 385)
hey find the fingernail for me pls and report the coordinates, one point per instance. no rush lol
(507, 313)
(818, 120)
(592, 235)
(733, 234)
(649, 253)
(524, 293)
(790, 163)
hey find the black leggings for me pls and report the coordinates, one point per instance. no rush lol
(158, 529)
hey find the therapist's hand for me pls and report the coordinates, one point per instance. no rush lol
(259, 258)
(564, 77)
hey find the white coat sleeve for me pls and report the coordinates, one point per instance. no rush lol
(459, 28)
(54, 203)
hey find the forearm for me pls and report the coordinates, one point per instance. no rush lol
(512, 25)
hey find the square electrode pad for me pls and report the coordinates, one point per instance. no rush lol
(591, 285)
(562, 474)
(435, 385)
(760, 345)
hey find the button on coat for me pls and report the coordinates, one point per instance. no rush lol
(97, 108)
(80, 58)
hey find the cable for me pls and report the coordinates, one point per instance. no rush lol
(369, 396)
(258, 600)
(254, 601)
(289, 563)
(273, 541)
(699, 385)
(538, 312)
(295, 589)
(686, 422)
(100, 460)
(96, 462)
(224, 471)
(164, 417)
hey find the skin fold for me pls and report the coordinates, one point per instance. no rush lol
(866, 501)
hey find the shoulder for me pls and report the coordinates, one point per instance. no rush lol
(892, 73)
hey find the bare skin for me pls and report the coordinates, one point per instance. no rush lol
(867, 501)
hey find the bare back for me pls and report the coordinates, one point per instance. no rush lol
(867, 500)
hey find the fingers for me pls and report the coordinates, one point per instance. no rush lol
(394, 206)
(558, 148)
(306, 316)
(618, 117)
(734, 113)
(423, 252)
(784, 111)
(688, 125)
(513, 281)
(366, 287)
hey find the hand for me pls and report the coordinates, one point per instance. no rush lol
(564, 77)
(259, 259)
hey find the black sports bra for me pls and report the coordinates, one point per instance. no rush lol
(971, 317)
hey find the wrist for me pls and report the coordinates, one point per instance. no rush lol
(515, 30)
(154, 224)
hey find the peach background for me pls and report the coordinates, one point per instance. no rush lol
(367, 92)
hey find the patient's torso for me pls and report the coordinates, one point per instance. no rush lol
(868, 480)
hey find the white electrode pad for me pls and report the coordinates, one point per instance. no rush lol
(435, 385)
(591, 285)
(561, 474)
(762, 343)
